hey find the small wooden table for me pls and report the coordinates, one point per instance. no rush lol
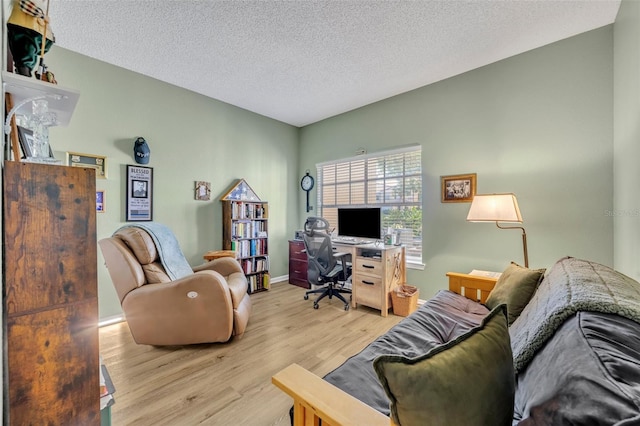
(217, 254)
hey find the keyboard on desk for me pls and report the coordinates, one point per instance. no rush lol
(349, 240)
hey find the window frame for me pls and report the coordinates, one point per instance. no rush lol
(343, 176)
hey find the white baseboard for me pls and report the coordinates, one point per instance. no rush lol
(111, 320)
(281, 278)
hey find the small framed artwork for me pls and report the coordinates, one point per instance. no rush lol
(203, 191)
(458, 188)
(100, 201)
(25, 137)
(139, 202)
(97, 162)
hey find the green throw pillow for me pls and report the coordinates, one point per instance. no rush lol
(467, 381)
(515, 287)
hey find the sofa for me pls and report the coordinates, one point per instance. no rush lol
(543, 347)
(168, 302)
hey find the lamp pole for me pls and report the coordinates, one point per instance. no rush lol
(524, 241)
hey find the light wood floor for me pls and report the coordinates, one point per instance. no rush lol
(230, 383)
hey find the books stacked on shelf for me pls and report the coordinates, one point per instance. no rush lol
(258, 282)
(248, 248)
(240, 210)
(250, 229)
(253, 265)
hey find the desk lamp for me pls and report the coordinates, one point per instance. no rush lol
(498, 208)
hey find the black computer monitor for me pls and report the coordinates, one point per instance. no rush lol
(359, 222)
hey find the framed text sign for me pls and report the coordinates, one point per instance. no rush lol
(139, 198)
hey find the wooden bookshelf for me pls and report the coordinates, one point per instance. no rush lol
(245, 230)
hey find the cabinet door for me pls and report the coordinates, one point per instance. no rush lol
(50, 271)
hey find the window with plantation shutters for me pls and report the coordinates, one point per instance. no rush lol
(391, 180)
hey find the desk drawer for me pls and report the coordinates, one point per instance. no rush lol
(369, 291)
(296, 250)
(365, 265)
(298, 273)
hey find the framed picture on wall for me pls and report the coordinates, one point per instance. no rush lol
(203, 191)
(90, 161)
(458, 188)
(139, 195)
(100, 201)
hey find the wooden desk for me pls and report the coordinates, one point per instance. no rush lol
(376, 270)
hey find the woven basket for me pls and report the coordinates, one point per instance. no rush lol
(404, 299)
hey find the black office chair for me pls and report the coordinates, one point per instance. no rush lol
(323, 266)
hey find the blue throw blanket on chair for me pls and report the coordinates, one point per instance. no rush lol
(171, 256)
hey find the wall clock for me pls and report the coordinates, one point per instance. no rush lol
(306, 183)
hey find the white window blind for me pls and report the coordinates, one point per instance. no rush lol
(391, 180)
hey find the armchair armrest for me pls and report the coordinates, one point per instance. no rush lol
(225, 266)
(315, 398)
(159, 314)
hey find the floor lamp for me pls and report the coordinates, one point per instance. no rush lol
(498, 208)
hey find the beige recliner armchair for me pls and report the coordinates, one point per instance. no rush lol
(209, 305)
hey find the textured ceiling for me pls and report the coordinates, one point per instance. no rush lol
(302, 61)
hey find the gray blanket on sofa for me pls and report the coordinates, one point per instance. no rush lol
(571, 285)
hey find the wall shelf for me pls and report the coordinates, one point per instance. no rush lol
(62, 100)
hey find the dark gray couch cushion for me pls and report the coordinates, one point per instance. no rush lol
(587, 374)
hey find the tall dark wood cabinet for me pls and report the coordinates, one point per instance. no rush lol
(50, 289)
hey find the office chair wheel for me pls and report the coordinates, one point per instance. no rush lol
(316, 306)
(346, 307)
(306, 297)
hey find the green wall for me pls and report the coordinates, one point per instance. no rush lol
(538, 124)
(192, 138)
(626, 110)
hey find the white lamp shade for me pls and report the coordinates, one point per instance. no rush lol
(494, 208)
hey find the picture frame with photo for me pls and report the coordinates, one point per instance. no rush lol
(26, 140)
(458, 188)
(100, 201)
(90, 161)
(139, 194)
(203, 191)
